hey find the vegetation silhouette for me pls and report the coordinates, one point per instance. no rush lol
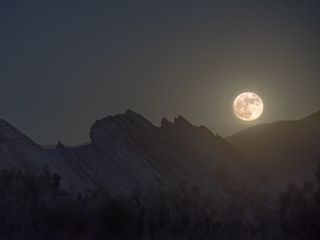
(35, 207)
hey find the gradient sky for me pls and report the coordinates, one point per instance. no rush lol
(64, 64)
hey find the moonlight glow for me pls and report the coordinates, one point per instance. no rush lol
(248, 106)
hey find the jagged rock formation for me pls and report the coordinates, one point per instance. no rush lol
(128, 153)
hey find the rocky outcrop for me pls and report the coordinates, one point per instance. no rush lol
(128, 153)
(16, 148)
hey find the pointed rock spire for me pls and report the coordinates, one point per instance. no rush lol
(165, 123)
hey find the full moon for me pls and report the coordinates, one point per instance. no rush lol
(248, 106)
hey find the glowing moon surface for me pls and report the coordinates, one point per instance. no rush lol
(248, 106)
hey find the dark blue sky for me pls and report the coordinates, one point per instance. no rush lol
(64, 64)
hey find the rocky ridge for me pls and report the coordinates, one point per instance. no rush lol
(127, 153)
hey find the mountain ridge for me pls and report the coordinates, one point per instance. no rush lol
(127, 153)
(289, 150)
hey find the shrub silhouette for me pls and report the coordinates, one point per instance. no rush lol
(299, 211)
(35, 207)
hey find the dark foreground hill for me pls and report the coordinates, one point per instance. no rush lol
(288, 150)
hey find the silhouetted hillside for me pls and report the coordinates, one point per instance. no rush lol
(289, 150)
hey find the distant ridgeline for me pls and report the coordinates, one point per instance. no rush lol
(128, 154)
(177, 181)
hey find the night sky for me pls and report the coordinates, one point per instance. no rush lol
(64, 64)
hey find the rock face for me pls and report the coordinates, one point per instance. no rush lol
(288, 150)
(15, 148)
(128, 153)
